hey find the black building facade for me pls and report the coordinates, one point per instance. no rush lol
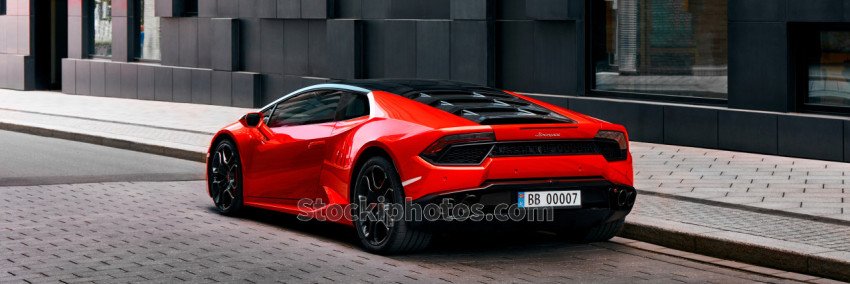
(763, 76)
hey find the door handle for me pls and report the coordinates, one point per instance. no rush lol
(315, 144)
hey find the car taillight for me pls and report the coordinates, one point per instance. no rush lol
(460, 149)
(613, 145)
(616, 136)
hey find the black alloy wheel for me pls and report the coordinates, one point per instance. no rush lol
(225, 178)
(377, 190)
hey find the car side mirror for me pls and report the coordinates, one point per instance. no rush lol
(253, 119)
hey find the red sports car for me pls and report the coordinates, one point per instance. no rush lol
(353, 149)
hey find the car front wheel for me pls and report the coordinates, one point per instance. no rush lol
(225, 178)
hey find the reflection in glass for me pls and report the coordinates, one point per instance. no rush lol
(148, 40)
(665, 47)
(829, 69)
(102, 18)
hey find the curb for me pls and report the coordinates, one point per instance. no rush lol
(755, 269)
(114, 142)
(799, 258)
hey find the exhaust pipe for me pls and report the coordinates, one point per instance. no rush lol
(625, 197)
(622, 198)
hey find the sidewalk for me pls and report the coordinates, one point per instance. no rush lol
(177, 130)
(786, 213)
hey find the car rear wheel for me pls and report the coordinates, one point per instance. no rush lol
(599, 233)
(225, 178)
(378, 188)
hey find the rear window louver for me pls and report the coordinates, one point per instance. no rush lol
(488, 107)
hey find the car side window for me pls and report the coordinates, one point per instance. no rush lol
(354, 106)
(307, 108)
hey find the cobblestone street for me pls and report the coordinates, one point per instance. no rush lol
(169, 232)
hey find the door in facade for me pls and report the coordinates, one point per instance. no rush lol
(50, 42)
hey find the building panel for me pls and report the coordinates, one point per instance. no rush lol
(758, 66)
(69, 75)
(296, 47)
(129, 81)
(224, 47)
(147, 82)
(206, 43)
(433, 53)
(201, 86)
(221, 88)
(164, 86)
(748, 132)
(472, 47)
(182, 85)
(272, 46)
(400, 49)
(246, 89)
(515, 61)
(689, 126)
(113, 79)
(811, 137)
(83, 78)
(757, 10)
(289, 9)
(189, 42)
(345, 43)
(98, 78)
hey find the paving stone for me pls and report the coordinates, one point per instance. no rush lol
(783, 182)
(805, 199)
(788, 229)
(755, 194)
(169, 232)
(820, 211)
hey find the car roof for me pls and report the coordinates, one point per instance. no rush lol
(477, 103)
(406, 86)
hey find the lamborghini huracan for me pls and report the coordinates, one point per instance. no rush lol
(388, 142)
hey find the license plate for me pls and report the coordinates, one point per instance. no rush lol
(549, 199)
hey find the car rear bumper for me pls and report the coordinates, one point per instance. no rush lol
(602, 201)
(421, 178)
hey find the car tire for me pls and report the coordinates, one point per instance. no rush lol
(378, 177)
(599, 233)
(224, 177)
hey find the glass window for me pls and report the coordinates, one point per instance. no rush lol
(190, 8)
(307, 108)
(148, 31)
(355, 106)
(2, 7)
(101, 38)
(661, 47)
(829, 69)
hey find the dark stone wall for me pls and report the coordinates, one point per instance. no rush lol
(785, 134)
(249, 52)
(288, 44)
